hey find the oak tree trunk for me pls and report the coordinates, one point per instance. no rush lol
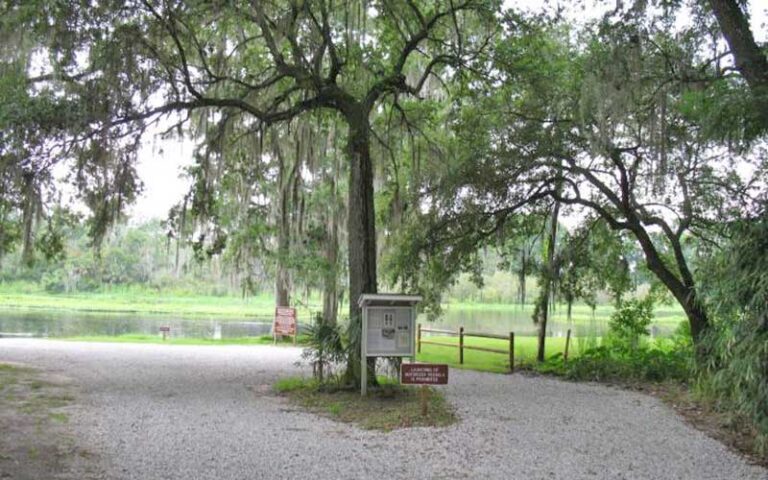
(749, 58)
(361, 228)
(285, 181)
(521, 274)
(683, 290)
(542, 307)
(330, 279)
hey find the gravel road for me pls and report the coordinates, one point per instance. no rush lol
(206, 412)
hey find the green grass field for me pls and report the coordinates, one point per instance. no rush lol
(581, 313)
(525, 351)
(127, 302)
(142, 300)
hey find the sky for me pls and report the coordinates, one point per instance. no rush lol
(161, 161)
(160, 167)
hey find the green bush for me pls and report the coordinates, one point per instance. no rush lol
(629, 323)
(54, 281)
(605, 363)
(735, 379)
(625, 356)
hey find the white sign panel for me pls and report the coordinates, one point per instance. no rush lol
(390, 331)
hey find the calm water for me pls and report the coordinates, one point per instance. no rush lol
(47, 323)
(584, 322)
(504, 321)
(52, 323)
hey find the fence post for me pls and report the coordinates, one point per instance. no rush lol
(418, 338)
(511, 352)
(567, 344)
(461, 345)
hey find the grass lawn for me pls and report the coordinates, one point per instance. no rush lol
(581, 313)
(144, 300)
(232, 307)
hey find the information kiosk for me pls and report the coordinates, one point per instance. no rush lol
(389, 326)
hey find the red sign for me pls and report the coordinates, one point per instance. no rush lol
(423, 374)
(285, 321)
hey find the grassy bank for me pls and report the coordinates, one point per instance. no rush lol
(143, 300)
(146, 302)
(581, 313)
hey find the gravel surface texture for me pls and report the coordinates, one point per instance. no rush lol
(207, 412)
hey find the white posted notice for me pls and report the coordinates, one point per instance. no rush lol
(389, 331)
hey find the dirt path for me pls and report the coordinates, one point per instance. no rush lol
(189, 412)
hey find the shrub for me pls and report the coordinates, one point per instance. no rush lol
(624, 357)
(604, 363)
(630, 322)
(325, 348)
(54, 281)
(735, 377)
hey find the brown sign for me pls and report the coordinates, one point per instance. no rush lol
(423, 374)
(285, 321)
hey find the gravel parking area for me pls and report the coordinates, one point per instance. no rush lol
(207, 412)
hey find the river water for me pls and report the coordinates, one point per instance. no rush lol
(64, 323)
(584, 321)
(53, 323)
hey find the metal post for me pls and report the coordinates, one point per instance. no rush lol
(567, 344)
(461, 345)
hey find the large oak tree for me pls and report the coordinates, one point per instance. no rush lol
(616, 124)
(126, 64)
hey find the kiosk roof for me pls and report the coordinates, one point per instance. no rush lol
(388, 299)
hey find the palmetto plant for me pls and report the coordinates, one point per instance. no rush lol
(325, 348)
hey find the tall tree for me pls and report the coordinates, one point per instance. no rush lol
(266, 61)
(607, 127)
(547, 281)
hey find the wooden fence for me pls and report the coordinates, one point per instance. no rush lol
(462, 334)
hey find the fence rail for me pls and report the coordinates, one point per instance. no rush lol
(461, 346)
